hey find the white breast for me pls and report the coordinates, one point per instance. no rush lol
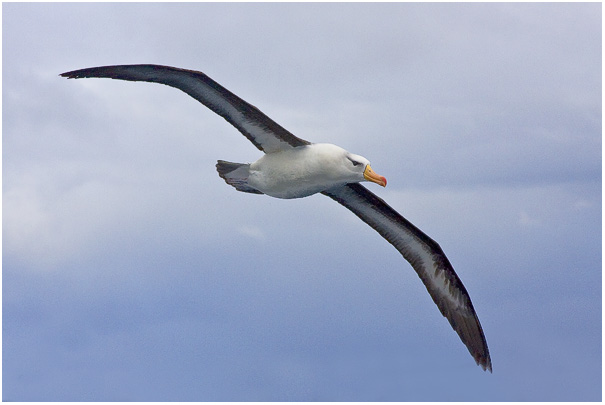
(299, 172)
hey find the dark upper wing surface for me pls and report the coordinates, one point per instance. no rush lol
(426, 257)
(262, 131)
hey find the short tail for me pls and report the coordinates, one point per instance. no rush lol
(236, 175)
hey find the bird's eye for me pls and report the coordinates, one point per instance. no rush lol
(355, 163)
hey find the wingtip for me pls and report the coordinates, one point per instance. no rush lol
(86, 72)
(68, 75)
(485, 363)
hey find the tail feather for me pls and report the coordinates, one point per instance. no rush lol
(236, 175)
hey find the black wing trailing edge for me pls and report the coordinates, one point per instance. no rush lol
(262, 131)
(427, 258)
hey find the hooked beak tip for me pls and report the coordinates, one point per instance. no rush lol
(370, 175)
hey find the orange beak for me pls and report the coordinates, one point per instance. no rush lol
(370, 175)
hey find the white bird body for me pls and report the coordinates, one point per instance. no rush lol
(293, 168)
(305, 170)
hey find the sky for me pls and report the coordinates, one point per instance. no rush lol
(132, 272)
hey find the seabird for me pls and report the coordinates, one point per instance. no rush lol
(293, 168)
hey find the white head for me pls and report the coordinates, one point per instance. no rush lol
(348, 166)
(361, 166)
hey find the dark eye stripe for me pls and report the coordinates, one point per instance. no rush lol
(355, 163)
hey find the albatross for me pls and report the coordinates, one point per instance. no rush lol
(292, 167)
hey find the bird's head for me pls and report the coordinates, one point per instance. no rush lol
(362, 169)
(337, 166)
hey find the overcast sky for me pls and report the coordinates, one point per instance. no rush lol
(131, 271)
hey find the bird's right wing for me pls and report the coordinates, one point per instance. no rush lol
(262, 131)
(426, 257)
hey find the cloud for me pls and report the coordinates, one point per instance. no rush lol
(252, 232)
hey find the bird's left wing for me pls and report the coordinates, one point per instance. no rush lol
(262, 131)
(426, 257)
